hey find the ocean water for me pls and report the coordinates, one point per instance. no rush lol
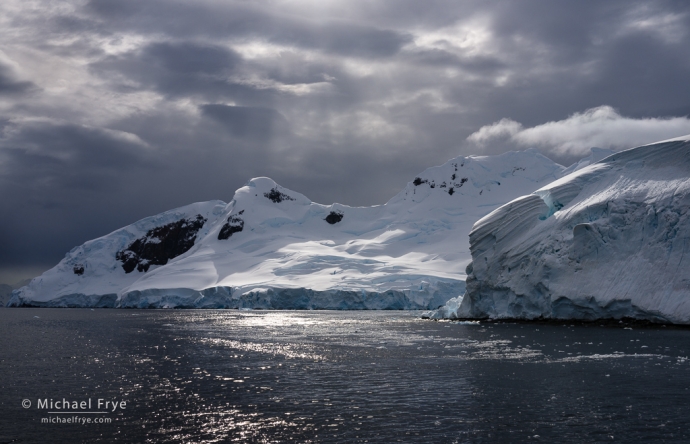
(211, 376)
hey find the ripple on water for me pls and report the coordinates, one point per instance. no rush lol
(231, 376)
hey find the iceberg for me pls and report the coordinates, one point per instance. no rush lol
(607, 241)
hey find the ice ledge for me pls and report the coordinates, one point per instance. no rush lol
(499, 306)
(269, 298)
(76, 300)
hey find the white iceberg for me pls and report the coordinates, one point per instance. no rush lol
(609, 240)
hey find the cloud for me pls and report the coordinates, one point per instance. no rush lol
(10, 81)
(254, 21)
(344, 38)
(601, 127)
(504, 128)
(64, 148)
(114, 110)
(248, 122)
(59, 181)
(173, 68)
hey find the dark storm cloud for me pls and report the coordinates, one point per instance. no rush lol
(175, 69)
(75, 145)
(441, 58)
(48, 157)
(119, 109)
(248, 122)
(636, 74)
(50, 173)
(291, 68)
(190, 59)
(10, 84)
(344, 39)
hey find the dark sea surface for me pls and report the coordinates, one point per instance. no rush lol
(207, 376)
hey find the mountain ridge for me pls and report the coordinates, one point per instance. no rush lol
(271, 247)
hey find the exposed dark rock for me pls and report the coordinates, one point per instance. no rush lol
(78, 269)
(160, 244)
(334, 217)
(517, 169)
(451, 190)
(418, 181)
(453, 176)
(233, 225)
(276, 196)
(462, 182)
(443, 185)
(241, 212)
(432, 184)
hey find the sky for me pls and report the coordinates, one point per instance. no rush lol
(115, 110)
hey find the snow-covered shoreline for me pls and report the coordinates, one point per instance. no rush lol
(267, 299)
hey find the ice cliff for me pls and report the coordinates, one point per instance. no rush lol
(271, 247)
(610, 240)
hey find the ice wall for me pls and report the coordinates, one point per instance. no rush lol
(610, 240)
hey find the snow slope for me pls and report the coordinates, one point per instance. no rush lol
(607, 241)
(271, 247)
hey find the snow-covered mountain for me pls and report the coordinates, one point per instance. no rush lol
(271, 247)
(607, 241)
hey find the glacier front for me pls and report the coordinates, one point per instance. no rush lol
(608, 241)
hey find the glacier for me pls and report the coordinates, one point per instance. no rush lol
(273, 248)
(607, 241)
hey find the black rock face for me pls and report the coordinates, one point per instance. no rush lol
(517, 169)
(78, 269)
(160, 244)
(462, 181)
(418, 181)
(334, 217)
(276, 196)
(233, 225)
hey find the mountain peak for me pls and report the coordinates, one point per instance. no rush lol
(267, 188)
(474, 176)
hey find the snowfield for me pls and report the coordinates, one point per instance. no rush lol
(273, 248)
(607, 241)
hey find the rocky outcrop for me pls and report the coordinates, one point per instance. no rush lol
(158, 246)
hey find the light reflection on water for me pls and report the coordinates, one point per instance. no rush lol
(262, 376)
